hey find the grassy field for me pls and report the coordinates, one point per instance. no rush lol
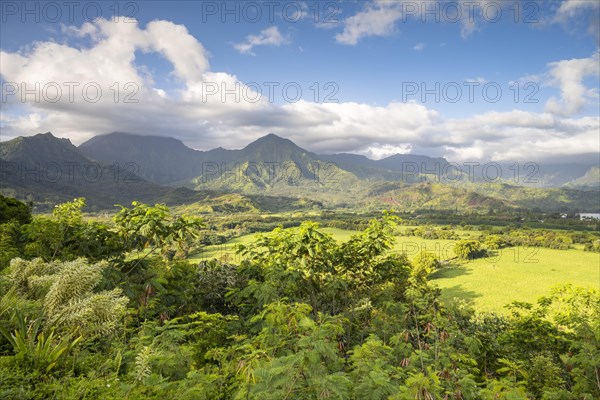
(224, 252)
(521, 274)
(513, 274)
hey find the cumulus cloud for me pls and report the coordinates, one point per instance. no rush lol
(202, 115)
(520, 135)
(419, 46)
(267, 37)
(569, 75)
(82, 90)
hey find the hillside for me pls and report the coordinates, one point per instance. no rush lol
(168, 161)
(430, 196)
(40, 149)
(156, 159)
(591, 180)
(120, 167)
(48, 170)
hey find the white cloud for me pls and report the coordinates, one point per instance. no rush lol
(519, 135)
(472, 14)
(569, 75)
(419, 46)
(571, 8)
(188, 57)
(267, 37)
(380, 17)
(480, 80)
(528, 79)
(110, 64)
(468, 26)
(377, 152)
(204, 120)
(377, 19)
(574, 13)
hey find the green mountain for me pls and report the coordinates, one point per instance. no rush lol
(427, 195)
(156, 159)
(277, 166)
(48, 170)
(265, 164)
(407, 163)
(589, 181)
(40, 149)
(120, 167)
(539, 199)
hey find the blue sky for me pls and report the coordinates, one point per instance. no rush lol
(373, 59)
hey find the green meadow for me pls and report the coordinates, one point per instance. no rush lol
(517, 274)
(488, 284)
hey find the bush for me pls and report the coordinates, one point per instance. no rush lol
(469, 249)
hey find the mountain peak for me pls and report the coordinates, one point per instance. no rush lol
(160, 159)
(271, 141)
(133, 138)
(42, 139)
(47, 136)
(101, 146)
(40, 148)
(273, 138)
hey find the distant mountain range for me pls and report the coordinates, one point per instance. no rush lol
(168, 161)
(120, 167)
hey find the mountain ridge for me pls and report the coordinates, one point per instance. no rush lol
(134, 167)
(269, 149)
(46, 169)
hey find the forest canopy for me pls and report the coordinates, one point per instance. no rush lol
(116, 310)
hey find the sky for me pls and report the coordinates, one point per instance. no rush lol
(469, 80)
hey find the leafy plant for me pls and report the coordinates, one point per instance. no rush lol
(43, 352)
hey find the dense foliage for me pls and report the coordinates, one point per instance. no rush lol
(114, 311)
(14, 210)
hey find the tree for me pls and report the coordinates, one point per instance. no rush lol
(66, 236)
(468, 249)
(493, 242)
(143, 226)
(11, 245)
(423, 265)
(13, 209)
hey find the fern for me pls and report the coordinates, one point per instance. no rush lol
(143, 367)
(66, 290)
(96, 314)
(30, 279)
(75, 280)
